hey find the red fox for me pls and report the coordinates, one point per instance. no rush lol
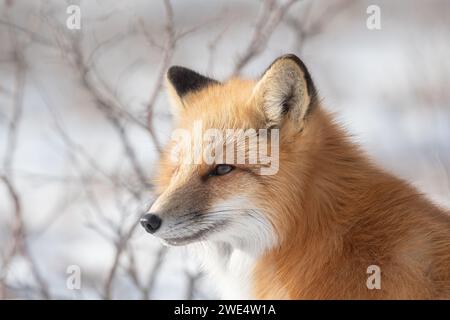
(324, 224)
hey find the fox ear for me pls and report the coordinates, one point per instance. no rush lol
(182, 81)
(285, 90)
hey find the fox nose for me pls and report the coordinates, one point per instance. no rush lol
(151, 222)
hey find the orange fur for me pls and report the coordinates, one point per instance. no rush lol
(338, 214)
(334, 212)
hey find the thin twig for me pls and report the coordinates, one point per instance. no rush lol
(268, 21)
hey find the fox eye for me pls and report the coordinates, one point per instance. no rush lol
(221, 169)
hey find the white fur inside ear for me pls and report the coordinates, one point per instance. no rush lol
(283, 91)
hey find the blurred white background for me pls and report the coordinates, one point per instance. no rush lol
(83, 114)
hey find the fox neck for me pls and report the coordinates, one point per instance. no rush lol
(330, 171)
(330, 174)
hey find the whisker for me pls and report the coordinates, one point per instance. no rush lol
(198, 221)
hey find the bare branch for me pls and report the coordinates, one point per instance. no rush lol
(161, 253)
(270, 18)
(19, 244)
(32, 35)
(167, 54)
(192, 279)
(309, 26)
(120, 247)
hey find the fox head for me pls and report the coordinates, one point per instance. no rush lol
(212, 198)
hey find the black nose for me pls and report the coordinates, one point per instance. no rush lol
(151, 222)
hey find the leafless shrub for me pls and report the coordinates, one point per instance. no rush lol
(88, 171)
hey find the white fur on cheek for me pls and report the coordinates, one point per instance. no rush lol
(247, 229)
(230, 254)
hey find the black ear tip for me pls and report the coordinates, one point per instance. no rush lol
(297, 60)
(175, 72)
(291, 56)
(186, 80)
(309, 82)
